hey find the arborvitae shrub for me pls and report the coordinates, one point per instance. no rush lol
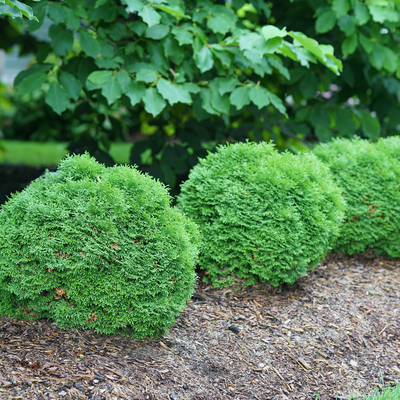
(369, 174)
(263, 216)
(96, 247)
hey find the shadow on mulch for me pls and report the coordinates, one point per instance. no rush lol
(334, 331)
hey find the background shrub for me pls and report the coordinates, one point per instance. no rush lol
(263, 215)
(96, 247)
(369, 174)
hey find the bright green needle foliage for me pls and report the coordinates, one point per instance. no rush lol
(369, 174)
(96, 247)
(264, 216)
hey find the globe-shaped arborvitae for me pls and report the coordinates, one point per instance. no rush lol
(369, 174)
(96, 247)
(263, 215)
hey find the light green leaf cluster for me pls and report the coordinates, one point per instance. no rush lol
(263, 215)
(16, 9)
(162, 47)
(96, 248)
(369, 175)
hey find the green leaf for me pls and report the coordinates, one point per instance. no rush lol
(226, 85)
(222, 56)
(248, 41)
(175, 10)
(309, 44)
(277, 103)
(157, 32)
(325, 21)
(39, 10)
(277, 64)
(323, 134)
(361, 13)
(191, 87)
(173, 93)
(182, 35)
(347, 25)
(240, 97)
(365, 43)
(259, 96)
(100, 77)
(341, 7)
(349, 45)
(204, 59)
(344, 122)
(221, 20)
(13, 12)
(218, 102)
(205, 95)
(135, 91)
(371, 125)
(320, 116)
(56, 98)
(32, 82)
(71, 85)
(56, 12)
(153, 101)
(271, 31)
(308, 86)
(72, 20)
(111, 89)
(16, 9)
(146, 75)
(377, 56)
(391, 60)
(62, 42)
(150, 16)
(89, 44)
(124, 79)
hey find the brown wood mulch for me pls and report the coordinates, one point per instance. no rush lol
(334, 331)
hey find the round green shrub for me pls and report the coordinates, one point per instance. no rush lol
(96, 247)
(369, 174)
(263, 215)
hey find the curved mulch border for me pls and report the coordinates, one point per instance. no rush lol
(337, 329)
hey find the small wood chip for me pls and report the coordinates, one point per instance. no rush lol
(380, 333)
(165, 347)
(280, 376)
(304, 363)
(321, 353)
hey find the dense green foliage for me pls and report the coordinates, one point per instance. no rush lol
(211, 70)
(16, 9)
(95, 247)
(369, 174)
(263, 215)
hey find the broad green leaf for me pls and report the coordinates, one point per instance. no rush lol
(100, 77)
(277, 64)
(111, 89)
(173, 93)
(248, 41)
(344, 122)
(32, 82)
(277, 103)
(222, 56)
(117, 31)
(218, 102)
(135, 91)
(176, 11)
(72, 20)
(71, 85)
(150, 16)
(157, 32)
(221, 20)
(153, 101)
(349, 45)
(361, 13)
(39, 10)
(89, 44)
(134, 5)
(259, 96)
(347, 25)
(191, 87)
(325, 21)
(253, 56)
(22, 8)
(124, 79)
(99, 3)
(226, 85)
(341, 7)
(309, 85)
(56, 12)
(146, 75)
(56, 98)
(323, 134)
(204, 59)
(240, 97)
(365, 43)
(36, 68)
(377, 56)
(309, 44)
(320, 116)
(205, 95)
(371, 125)
(182, 35)
(13, 12)
(271, 31)
(62, 42)
(391, 60)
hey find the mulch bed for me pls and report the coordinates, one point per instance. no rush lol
(334, 331)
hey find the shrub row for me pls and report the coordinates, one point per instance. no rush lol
(102, 248)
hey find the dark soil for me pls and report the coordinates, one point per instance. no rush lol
(335, 331)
